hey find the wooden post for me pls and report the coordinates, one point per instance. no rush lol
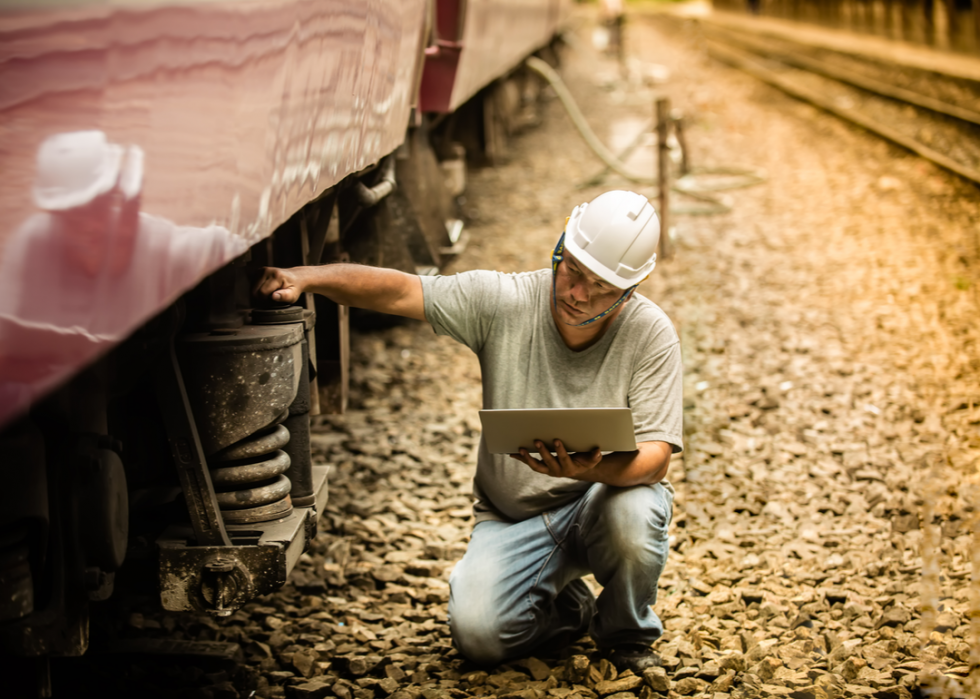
(663, 174)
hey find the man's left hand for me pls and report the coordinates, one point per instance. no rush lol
(562, 464)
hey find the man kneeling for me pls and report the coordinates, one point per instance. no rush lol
(574, 335)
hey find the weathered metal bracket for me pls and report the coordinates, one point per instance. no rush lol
(219, 580)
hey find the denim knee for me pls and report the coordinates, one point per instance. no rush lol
(633, 519)
(474, 621)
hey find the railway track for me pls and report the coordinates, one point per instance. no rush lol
(932, 114)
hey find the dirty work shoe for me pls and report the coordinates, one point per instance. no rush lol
(634, 656)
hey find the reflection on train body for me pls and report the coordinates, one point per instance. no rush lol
(89, 267)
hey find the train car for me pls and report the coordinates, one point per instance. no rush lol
(154, 420)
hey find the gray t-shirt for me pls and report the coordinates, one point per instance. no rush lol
(506, 320)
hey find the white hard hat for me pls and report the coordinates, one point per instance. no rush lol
(615, 236)
(74, 168)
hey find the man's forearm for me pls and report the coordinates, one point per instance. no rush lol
(356, 285)
(372, 288)
(645, 466)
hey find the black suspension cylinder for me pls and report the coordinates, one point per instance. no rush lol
(300, 471)
(241, 383)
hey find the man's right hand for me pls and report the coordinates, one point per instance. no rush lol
(280, 285)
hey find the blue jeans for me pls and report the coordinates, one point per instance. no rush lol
(505, 593)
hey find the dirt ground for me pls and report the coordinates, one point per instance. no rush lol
(825, 533)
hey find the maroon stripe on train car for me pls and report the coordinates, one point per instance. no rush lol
(492, 38)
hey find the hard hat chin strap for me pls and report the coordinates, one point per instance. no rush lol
(556, 257)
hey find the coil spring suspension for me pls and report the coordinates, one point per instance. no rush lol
(248, 476)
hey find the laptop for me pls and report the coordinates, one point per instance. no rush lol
(579, 429)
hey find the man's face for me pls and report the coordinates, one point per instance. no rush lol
(579, 293)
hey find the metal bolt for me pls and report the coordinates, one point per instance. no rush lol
(220, 586)
(222, 564)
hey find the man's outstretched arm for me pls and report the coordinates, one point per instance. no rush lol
(373, 288)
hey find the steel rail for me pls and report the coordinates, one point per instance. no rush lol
(742, 62)
(856, 80)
